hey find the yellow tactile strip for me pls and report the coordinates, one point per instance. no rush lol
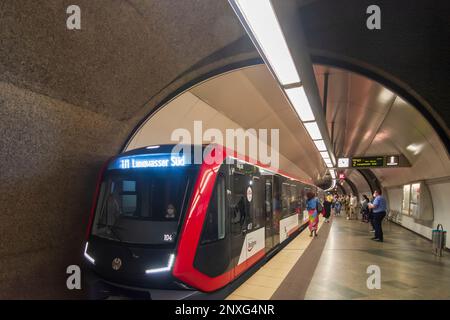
(265, 281)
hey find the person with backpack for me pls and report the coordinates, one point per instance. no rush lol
(314, 208)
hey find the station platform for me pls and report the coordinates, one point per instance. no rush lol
(334, 266)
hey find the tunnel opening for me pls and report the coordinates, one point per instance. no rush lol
(388, 135)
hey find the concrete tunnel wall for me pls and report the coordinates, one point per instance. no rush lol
(69, 100)
(48, 171)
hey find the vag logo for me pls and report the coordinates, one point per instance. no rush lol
(116, 264)
(250, 245)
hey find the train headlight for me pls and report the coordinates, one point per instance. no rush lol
(164, 269)
(87, 256)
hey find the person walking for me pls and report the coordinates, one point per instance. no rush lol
(378, 212)
(313, 207)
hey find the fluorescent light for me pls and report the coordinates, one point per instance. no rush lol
(415, 148)
(313, 130)
(152, 147)
(333, 174)
(329, 165)
(300, 102)
(164, 269)
(325, 154)
(86, 255)
(320, 145)
(333, 184)
(261, 19)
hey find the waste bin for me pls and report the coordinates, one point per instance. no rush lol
(439, 236)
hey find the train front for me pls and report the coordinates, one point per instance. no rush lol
(142, 199)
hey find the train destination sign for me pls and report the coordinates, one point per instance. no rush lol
(148, 161)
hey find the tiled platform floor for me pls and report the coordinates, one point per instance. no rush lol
(408, 268)
(263, 284)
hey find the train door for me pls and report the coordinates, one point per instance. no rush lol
(238, 211)
(268, 201)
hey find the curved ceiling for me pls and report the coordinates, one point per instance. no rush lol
(248, 98)
(366, 119)
(363, 119)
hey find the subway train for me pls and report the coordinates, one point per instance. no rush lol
(163, 225)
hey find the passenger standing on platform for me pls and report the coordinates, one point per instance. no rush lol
(347, 206)
(353, 204)
(371, 214)
(327, 206)
(379, 212)
(337, 206)
(314, 207)
(365, 209)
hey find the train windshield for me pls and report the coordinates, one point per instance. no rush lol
(144, 206)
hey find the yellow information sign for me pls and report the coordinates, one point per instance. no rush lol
(371, 162)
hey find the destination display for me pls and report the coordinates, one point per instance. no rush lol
(148, 161)
(371, 162)
(383, 161)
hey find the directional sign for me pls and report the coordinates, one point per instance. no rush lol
(392, 161)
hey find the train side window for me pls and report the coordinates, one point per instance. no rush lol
(277, 196)
(240, 205)
(257, 204)
(285, 199)
(214, 227)
(294, 204)
(268, 200)
(221, 206)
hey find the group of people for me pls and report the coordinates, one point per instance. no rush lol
(372, 210)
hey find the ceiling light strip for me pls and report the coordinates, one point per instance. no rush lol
(262, 22)
(262, 25)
